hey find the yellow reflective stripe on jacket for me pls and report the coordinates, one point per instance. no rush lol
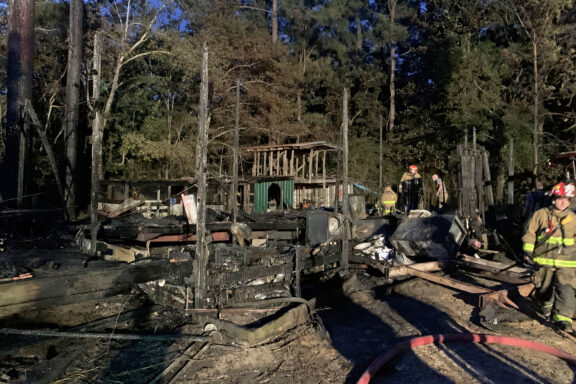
(555, 240)
(388, 202)
(528, 247)
(562, 318)
(555, 262)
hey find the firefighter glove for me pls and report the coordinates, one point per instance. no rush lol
(528, 260)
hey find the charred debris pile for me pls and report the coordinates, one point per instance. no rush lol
(256, 265)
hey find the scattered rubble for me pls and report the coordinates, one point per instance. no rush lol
(270, 276)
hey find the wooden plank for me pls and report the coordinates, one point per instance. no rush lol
(297, 168)
(278, 169)
(492, 266)
(316, 155)
(292, 163)
(488, 180)
(310, 159)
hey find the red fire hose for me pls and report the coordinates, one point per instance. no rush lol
(460, 338)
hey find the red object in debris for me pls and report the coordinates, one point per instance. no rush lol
(461, 338)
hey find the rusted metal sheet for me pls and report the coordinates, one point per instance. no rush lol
(184, 237)
(500, 296)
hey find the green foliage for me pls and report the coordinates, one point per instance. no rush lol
(461, 65)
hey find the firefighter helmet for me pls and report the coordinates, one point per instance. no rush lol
(563, 190)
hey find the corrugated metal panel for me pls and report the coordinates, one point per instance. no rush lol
(261, 194)
(288, 193)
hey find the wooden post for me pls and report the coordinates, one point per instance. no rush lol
(271, 163)
(310, 165)
(292, 163)
(201, 246)
(278, 170)
(316, 174)
(296, 169)
(488, 180)
(324, 191)
(96, 143)
(345, 206)
(234, 191)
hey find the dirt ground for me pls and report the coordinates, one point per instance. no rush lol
(346, 335)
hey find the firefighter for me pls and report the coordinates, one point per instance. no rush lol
(549, 246)
(388, 200)
(411, 188)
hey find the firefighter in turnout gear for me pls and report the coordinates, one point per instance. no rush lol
(388, 200)
(548, 244)
(411, 188)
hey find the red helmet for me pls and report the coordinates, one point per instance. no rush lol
(563, 190)
(413, 167)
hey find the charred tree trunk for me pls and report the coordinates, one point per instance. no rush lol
(511, 174)
(73, 103)
(380, 150)
(345, 202)
(235, 154)
(20, 68)
(536, 128)
(392, 118)
(96, 143)
(201, 246)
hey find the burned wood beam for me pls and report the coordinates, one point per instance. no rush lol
(403, 270)
(67, 288)
(498, 277)
(492, 266)
(406, 270)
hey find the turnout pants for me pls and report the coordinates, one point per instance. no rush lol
(555, 290)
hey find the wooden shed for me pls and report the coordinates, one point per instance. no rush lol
(299, 170)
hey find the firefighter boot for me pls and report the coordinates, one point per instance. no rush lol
(564, 326)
